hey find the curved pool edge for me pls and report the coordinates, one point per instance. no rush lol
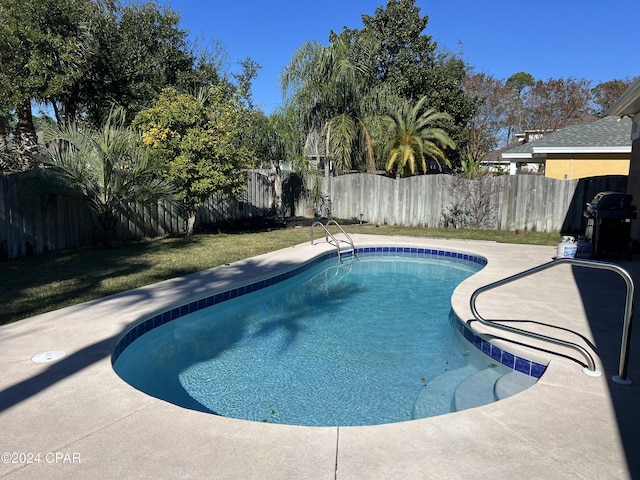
(494, 354)
(242, 287)
(515, 361)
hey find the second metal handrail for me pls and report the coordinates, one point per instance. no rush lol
(628, 314)
(328, 234)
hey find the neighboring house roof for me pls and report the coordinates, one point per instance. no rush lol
(607, 135)
(495, 156)
(524, 150)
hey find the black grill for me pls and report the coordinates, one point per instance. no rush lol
(609, 217)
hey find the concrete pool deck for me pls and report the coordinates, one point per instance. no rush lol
(85, 422)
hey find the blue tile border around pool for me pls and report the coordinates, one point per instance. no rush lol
(517, 363)
(508, 359)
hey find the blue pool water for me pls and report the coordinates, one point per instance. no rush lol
(349, 344)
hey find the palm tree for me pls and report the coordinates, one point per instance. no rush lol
(328, 88)
(415, 139)
(105, 168)
(276, 142)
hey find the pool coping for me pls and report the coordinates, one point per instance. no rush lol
(557, 428)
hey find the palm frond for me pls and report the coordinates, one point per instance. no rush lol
(341, 140)
(416, 137)
(106, 168)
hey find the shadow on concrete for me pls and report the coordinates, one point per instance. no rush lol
(603, 295)
(67, 366)
(183, 290)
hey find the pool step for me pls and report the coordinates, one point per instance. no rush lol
(436, 396)
(512, 383)
(465, 388)
(477, 390)
(490, 385)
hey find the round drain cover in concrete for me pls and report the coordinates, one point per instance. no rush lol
(48, 356)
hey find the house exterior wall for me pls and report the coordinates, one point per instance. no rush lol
(575, 166)
(633, 184)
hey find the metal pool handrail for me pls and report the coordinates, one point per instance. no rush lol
(349, 240)
(328, 234)
(626, 327)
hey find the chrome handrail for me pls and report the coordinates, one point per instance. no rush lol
(626, 328)
(328, 234)
(349, 240)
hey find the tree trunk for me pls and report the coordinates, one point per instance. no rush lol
(25, 141)
(191, 221)
(277, 192)
(107, 224)
(5, 130)
(25, 130)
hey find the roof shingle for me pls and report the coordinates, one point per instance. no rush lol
(608, 132)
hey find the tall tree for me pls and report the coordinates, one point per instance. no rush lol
(553, 104)
(140, 51)
(403, 54)
(244, 81)
(341, 89)
(196, 138)
(517, 85)
(606, 93)
(44, 53)
(486, 128)
(327, 87)
(409, 63)
(80, 57)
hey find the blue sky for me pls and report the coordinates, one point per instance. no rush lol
(587, 39)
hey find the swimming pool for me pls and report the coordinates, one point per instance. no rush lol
(360, 343)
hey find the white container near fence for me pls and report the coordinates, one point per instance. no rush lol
(567, 248)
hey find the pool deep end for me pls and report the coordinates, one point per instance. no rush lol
(182, 310)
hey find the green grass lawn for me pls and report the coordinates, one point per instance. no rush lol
(33, 285)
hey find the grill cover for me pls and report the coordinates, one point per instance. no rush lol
(616, 204)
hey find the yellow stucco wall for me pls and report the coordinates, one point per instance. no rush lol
(586, 165)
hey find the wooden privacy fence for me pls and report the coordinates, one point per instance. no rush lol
(57, 223)
(504, 203)
(508, 202)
